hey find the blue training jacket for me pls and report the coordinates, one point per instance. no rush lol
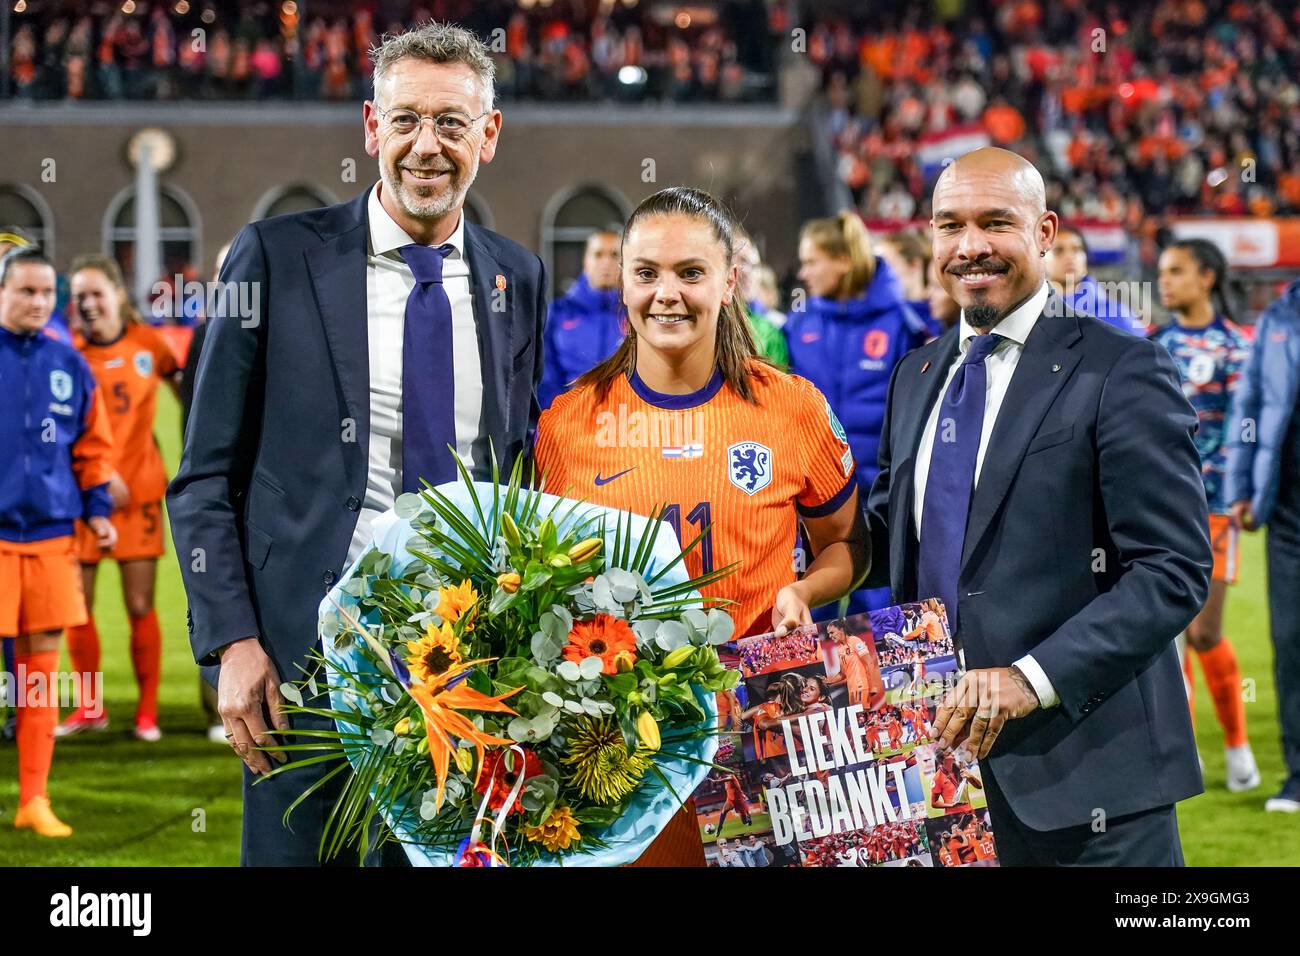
(1264, 401)
(1089, 299)
(849, 350)
(582, 330)
(55, 434)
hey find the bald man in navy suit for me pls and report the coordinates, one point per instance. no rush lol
(1037, 473)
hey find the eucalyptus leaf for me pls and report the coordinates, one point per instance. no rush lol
(721, 626)
(591, 667)
(291, 693)
(670, 635)
(545, 649)
(544, 724)
(408, 505)
(562, 614)
(381, 736)
(573, 707)
(569, 671)
(521, 729)
(623, 586)
(555, 700)
(555, 627)
(645, 633)
(591, 707)
(602, 595)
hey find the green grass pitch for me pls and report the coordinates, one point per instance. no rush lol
(177, 802)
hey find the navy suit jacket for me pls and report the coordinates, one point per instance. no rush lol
(267, 496)
(1087, 545)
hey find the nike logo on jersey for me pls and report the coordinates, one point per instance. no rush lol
(605, 481)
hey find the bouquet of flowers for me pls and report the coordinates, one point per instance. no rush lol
(514, 677)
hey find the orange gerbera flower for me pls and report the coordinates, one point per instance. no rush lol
(455, 601)
(604, 636)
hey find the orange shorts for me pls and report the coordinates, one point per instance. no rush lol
(42, 587)
(139, 535)
(1223, 541)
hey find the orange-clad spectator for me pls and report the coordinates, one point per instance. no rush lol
(1288, 184)
(1004, 122)
(880, 53)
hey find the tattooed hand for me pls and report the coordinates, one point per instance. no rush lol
(975, 710)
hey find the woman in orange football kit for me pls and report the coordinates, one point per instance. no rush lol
(129, 359)
(684, 415)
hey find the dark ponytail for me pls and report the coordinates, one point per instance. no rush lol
(735, 351)
(1211, 258)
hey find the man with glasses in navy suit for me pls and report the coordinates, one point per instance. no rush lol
(381, 331)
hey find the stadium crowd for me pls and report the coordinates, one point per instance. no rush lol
(556, 51)
(1131, 111)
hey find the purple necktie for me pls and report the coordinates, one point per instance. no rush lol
(428, 381)
(952, 477)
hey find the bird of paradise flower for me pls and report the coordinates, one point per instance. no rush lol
(441, 696)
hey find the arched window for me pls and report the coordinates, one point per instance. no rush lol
(568, 219)
(25, 208)
(297, 197)
(180, 231)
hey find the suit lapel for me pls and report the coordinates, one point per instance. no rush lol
(495, 338)
(924, 390)
(919, 393)
(338, 274)
(1044, 367)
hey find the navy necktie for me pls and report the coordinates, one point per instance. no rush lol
(428, 381)
(951, 478)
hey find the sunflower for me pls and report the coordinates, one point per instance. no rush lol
(604, 636)
(434, 654)
(604, 770)
(455, 601)
(556, 832)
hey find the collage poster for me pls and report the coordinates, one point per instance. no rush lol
(827, 754)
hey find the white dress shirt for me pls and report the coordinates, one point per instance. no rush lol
(1001, 366)
(389, 282)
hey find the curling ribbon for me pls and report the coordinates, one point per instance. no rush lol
(472, 851)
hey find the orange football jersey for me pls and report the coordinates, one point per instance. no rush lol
(745, 471)
(128, 372)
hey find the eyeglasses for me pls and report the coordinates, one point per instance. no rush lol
(449, 127)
